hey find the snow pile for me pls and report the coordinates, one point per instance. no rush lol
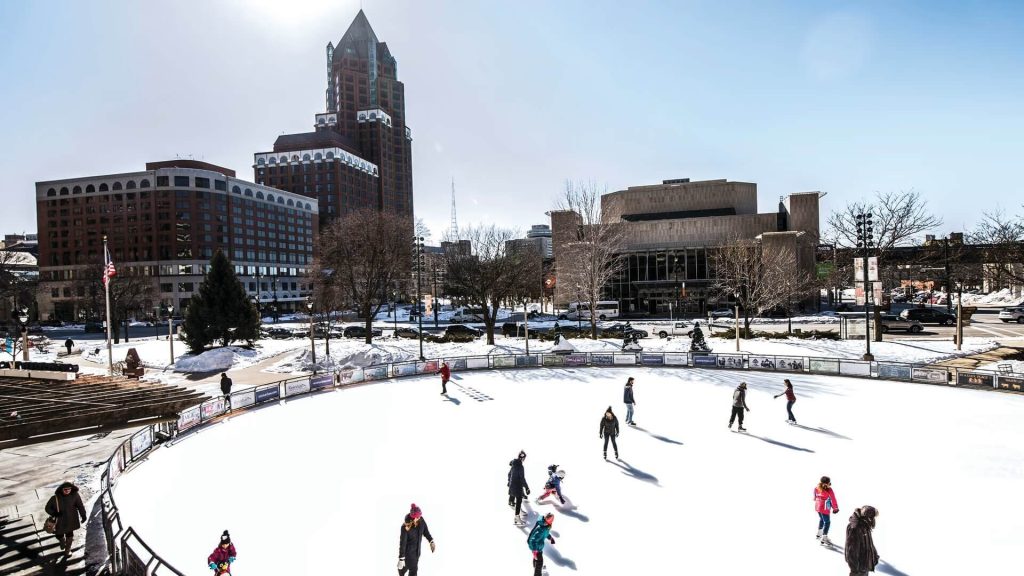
(216, 360)
(1004, 297)
(1016, 365)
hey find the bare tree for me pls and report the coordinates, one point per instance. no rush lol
(758, 279)
(590, 258)
(490, 274)
(17, 285)
(368, 254)
(1002, 240)
(130, 293)
(899, 217)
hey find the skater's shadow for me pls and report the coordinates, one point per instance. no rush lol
(636, 473)
(569, 509)
(555, 556)
(823, 431)
(658, 436)
(882, 568)
(783, 444)
(455, 401)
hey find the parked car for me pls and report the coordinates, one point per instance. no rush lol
(407, 332)
(892, 322)
(468, 315)
(680, 329)
(518, 330)
(619, 330)
(541, 317)
(91, 327)
(722, 313)
(462, 330)
(928, 315)
(279, 333)
(1015, 314)
(360, 332)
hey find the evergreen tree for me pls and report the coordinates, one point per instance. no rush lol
(221, 311)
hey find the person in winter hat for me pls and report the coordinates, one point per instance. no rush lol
(69, 344)
(739, 404)
(223, 556)
(541, 532)
(414, 530)
(67, 508)
(554, 484)
(609, 430)
(860, 552)
(825, 504)
(627, 398)
(517, 486)
(446, 373)
(790, 400)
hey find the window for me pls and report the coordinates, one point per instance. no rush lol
(130, 185)
(168, 287)
(144, 183)
(220, 185)
(186, 286)
(160, 181)
(201, 182)
(181, 181)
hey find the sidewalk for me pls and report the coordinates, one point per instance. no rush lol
(973, 361)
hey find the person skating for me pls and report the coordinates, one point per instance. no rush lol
(825, 504)
(541, 532)
(69, 343)
(627, 397)
(739, 404)
(414, 530)
(223, 556)
(446, 374)
(790, 400)
(517, 486)
(66, 507)
(609, 430)
(554, 484)
(860, 552)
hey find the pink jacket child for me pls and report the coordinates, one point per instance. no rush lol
(223, 555)
(825, 504)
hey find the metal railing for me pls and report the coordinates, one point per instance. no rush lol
(128, 554)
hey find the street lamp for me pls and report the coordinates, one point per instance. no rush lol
(23, 318)
(865, 241)
(394, 310)
(170, 329)
(312, 343)
(418, 255)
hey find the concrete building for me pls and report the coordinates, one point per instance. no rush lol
(165, 223)
(670, 231)
(537, 239)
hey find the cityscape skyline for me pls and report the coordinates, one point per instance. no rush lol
(791, 96)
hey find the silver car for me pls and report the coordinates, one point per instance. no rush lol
(891, 322)
(1015, 314)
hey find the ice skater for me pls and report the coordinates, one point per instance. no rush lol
(627, 397)
(414, 530)
(739, 404)
(790, 400)
(541, 532)
(825, 504)
(223, 556)
(609, 430)
(446, 374)
(554, 484)
(517, 486)
(860, 552)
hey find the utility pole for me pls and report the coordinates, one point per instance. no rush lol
(865, 239)
(418, 254)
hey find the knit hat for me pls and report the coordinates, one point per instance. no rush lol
(415, 512)
(549, 518)
(743, 384)
(225, 538)
(868, 511)
(826, 480)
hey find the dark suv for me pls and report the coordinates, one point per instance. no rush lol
(928, 315)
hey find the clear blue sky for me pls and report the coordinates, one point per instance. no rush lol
(513, 98)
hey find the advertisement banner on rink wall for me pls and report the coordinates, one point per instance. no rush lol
(188, 418)
(351, 376)
(141, 441)
(212, 408)
(376, 372)
(405, 369)
(428, 367)
(975, 379)
(554, 360)
(761, 362)
(243, 399)
(601, 359)
(894, 371)
(855, 368)
(930, 375)
(528, 360)
(1014, 383)
(624, 359)
(268, 393)
(824, 365)
(504, 361)
(477, 362)
(321, 381)
(705, 360)
(576, 360)
(676, 359)
(791, 364)
(730, 361)
(296, 387)
(648, 359)
(456, 364)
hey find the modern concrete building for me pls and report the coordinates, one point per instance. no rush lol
(670, 231)
(537, 239)
(165, 223)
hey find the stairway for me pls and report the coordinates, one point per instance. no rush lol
(25, 550)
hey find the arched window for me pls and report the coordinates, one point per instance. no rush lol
(318, 156)
(260, 161)
(51, 192)
(236, 189)
(248, 192)
(291, 202)
(308, 206)
(284, 160)
(295, 157)
(117, 185)
(272, 160)
(280, 199)
(321, 121)
(144, 183)
(90, 189)
(64, 191)
(103, 187)
(306, 158)
(76, 190)
(270, 197)
(130, 185)
(330, 155)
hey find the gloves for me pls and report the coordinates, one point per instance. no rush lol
(835, 510)
(401, 563)
(231, 560)
(432, 546)
(552, 539)
(562, 500)
(748, 409)
(527, 490)
(213, 565)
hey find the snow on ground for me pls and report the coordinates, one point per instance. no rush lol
(155, 353)
(332, 490)
(1016, 365)
(1004, 297)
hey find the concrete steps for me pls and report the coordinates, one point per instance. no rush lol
(25, 550)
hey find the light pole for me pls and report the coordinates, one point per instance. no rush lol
(23, 318)
(312, 342)
(526, 325)
(865, 240)
(433, 277)
(256, 303)
(394, 310)
(417, 244)
(170, 329)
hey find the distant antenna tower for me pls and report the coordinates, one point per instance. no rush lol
(455, 223)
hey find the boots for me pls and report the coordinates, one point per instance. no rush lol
(818, 537)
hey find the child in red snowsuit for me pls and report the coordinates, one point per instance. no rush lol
(222, 556)
(446, 374)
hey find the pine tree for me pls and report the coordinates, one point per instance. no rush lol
(221, 311)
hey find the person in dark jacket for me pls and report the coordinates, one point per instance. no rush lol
(69, 344)
(860, 552)
(223, 556)
(66, 506)
(609, 430)
(413, 530)
(517, 486)
(541, 532)
(790, 400)
(627, 397)
(739, 404)
(225, 385)
(446, 373)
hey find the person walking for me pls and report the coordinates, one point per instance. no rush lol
(860, 552)
(414, 530)
(68, 512)
(225, 386)
(825, 504)
(223, 556)
(790, 400)
(517, 486)
(69, 344)
(446, 374)
(609, 430)
(739, 404)
(627, 397)
(541, 532)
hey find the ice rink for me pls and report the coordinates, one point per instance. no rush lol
(320, 485)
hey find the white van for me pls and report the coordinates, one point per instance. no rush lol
(468, 315)
(606, 310)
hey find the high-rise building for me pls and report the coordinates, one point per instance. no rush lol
(360, 152)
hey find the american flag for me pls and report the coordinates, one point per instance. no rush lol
(109, 271)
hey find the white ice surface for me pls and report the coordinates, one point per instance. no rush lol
(320, 485)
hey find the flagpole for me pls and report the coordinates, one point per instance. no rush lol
(106, 293)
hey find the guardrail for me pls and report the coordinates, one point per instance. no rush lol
(128, 554)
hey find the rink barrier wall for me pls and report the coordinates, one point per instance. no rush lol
(129, 555)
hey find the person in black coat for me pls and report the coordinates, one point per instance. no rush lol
(628, 399)
(414, 530)
(860, 552)
(517, 484)
(66, 506)
(69, 344)
(609, 430)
